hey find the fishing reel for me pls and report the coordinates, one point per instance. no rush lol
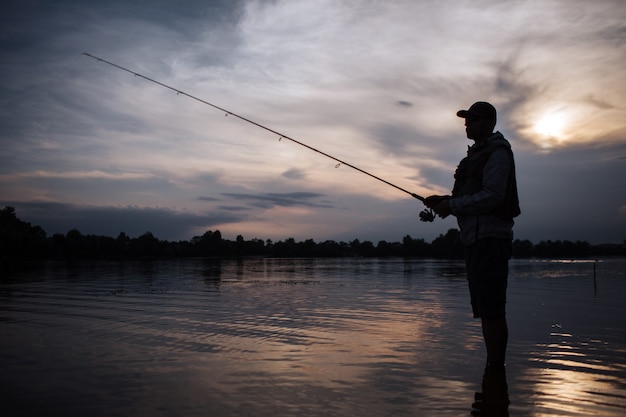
(427, 215)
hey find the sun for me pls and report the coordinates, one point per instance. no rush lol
(551, 126)
(550, 129)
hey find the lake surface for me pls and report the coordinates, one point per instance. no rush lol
(307, 337)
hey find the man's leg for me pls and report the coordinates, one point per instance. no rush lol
(487, 269)
(496, 334)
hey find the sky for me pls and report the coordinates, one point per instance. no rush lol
(375, 83)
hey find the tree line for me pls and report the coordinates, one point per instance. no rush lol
(20, 240)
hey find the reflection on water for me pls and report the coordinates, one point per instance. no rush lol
(577, 361)
(493, 400)
(324, 337)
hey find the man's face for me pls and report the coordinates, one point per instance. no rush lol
(478, 128)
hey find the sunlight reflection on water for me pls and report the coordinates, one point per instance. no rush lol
(314, 337)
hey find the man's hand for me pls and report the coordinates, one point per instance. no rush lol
(435, 200)
(440, 204)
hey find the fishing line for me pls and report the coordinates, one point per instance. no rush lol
(425, 215)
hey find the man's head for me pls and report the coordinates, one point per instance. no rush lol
(480, 120)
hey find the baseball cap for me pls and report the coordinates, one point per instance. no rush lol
(480, 110)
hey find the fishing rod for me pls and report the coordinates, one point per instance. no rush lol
(426, 215)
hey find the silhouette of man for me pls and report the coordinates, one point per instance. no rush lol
(484, 200)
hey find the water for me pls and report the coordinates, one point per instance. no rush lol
(307, 337)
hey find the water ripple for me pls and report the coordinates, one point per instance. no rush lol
(304, 337)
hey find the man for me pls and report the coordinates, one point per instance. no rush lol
(484, 200)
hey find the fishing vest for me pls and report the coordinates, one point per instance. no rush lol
(469, 177)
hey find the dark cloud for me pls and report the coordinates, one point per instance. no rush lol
(436, 176)
(43, 87)
(402, 103)
(294, 174)
(233, 208)
(395, 139)
(282, 199)
(570, 195)
(613, 34)
(512, 86)
(42, 14)
(164, 223)
(108, 190)
(599, 103)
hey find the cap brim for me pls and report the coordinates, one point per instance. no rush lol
(463, 113)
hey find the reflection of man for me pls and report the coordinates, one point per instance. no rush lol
(493, 401)
(484, 201)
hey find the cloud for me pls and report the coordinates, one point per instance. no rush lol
(294, 174)
(208, 199)
(233, 208)
(374, 83)
(164, 223)
(268, 200)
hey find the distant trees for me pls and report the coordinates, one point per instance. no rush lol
(209, 244)
(18, 237)
(448, 245)
(22, 241)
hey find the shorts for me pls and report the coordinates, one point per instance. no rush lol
(487, 264)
